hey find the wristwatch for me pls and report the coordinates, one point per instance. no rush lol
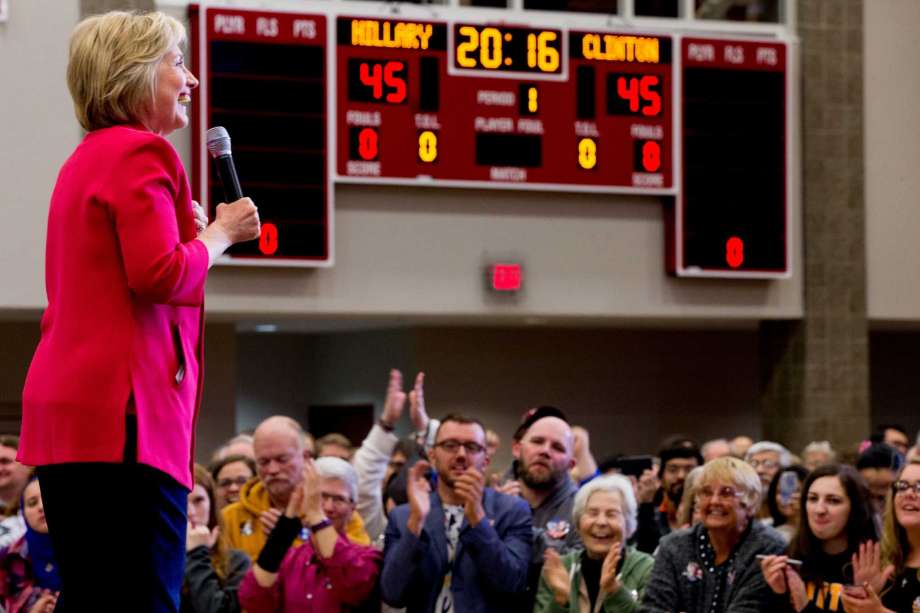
(320, 525)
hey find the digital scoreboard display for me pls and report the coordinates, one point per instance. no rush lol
(502, 105)
(731, 213)
(700, 123)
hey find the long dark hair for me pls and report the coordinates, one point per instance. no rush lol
(778, 518)
(860, 525)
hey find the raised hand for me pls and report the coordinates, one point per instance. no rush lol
(647, 486)
(556, 577)
(417, 404)
(469, 486)
(511, 487)
(609, 581)
(865, 602)
(774, 573)
(418, 490)
(197, 536)
(45, 603)
(268, 519)
(312, 494)
(867, 566)
(395, 400)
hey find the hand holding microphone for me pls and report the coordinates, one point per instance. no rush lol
(238, 220)
(235, 222)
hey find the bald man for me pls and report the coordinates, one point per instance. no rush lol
(543, 450)
(278, 444)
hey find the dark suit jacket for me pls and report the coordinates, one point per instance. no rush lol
(489, 567)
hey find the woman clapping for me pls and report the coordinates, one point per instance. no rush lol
(607, 576)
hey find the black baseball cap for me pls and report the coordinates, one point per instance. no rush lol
(536, 414)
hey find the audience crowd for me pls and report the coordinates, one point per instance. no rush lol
(280, 522)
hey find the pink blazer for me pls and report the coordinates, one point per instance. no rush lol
(125, 279)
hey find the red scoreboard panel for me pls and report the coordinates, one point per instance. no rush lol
(502, 105)
(264, 79)
(731, 215)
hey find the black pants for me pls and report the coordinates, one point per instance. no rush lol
(118, 532)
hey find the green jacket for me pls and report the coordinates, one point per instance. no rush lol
(637, 567)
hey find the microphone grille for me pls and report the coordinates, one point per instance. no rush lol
(218, 141)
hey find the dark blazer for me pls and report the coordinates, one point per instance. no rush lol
(681, 580)
(490, 564)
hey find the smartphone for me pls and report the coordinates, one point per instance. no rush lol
(432, 476)
(635, 464)
(788, 484)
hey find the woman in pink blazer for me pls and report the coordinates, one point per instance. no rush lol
(113, 390)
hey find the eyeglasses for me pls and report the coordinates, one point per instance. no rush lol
(902, 487)
(768, 464)
(452, 446)
(723, 493)
(339, 501)
(225, 483)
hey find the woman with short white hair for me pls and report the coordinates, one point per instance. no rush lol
(607, 575)
(712, 567)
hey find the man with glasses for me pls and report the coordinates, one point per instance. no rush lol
(279, 448)
(457, 545)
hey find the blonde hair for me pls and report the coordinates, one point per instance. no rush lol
(895, 546)
(730, 470)
(112, 67)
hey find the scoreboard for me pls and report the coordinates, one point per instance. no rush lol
(498, 105)
(317, 98)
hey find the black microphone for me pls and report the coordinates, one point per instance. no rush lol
(219, 147)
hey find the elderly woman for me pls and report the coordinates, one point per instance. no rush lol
(113, 389)
(607, 575)
(327, 573)
(712, 567)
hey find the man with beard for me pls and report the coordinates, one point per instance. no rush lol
(660, 495)
(457, 545)
(543, 448)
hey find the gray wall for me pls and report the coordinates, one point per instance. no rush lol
(892, 124)
(629, 388)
